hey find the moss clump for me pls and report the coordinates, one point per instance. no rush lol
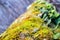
(41, 22)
